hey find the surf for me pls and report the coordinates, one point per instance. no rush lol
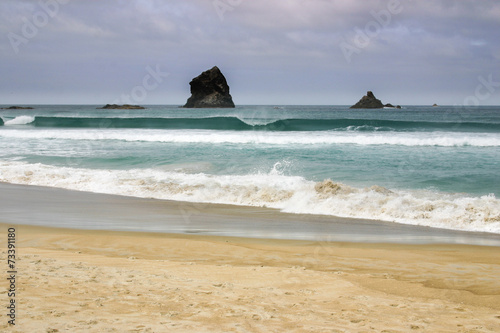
(304, 138)
(242, 123)
(292, 194)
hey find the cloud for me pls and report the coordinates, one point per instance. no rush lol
(293, 46)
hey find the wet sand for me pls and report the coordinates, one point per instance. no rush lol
(110, 281)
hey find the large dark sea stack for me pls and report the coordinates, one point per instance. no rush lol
(210, 90)
(368, 102)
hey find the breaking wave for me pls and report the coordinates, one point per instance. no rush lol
(245, 124)
(21, 120)
(443, 139)
(291, 194)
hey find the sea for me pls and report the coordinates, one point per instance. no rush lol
(421, 165)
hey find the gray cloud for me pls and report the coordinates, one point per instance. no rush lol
(279, 52)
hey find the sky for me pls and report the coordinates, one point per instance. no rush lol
(283, 52)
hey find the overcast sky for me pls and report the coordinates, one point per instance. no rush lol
(271, 52)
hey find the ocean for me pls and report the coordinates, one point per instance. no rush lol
(420, 165)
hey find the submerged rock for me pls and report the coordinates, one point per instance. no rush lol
(18, 108)
(122, 107)
(210, 90)
(369, 101)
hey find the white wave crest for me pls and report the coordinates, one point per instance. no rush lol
(20, 120)
(287, 193)
(445, 139)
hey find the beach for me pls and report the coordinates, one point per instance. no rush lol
(253, 219)
(76, 280)
(105, 281)
(249, 166)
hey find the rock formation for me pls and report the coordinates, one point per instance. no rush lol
(389, 105)
(18, 108)
(369, 101)
(209, 90)
(122, 107)
(1, 121)
(435, 105)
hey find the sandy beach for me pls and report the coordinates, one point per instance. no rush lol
(249, 166)
(113, 281)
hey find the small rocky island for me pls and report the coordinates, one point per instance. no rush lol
(369, 101)
(18, 108)
(210, 90)
(122, 107)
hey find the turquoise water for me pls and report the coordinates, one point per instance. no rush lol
(434, 166)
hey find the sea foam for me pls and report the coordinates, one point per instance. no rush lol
(291, 194)
(443, 139)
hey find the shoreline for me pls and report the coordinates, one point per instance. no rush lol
(94, 281)
(193, 280)
(56, 207)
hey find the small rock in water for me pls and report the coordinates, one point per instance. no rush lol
(122, 107)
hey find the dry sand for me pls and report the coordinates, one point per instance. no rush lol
(105, 281)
